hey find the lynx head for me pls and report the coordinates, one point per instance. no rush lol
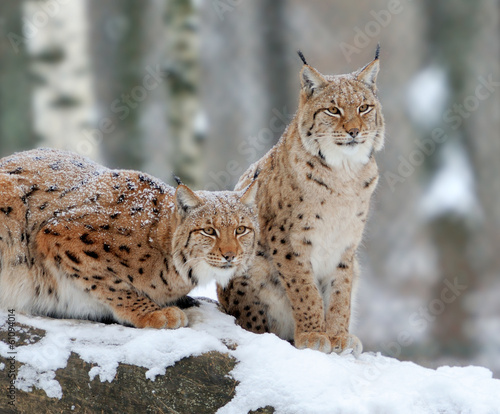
(216, 234)
(339, 117)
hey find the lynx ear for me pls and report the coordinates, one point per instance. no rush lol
(177, 179)
(369, 73)
(185, 199)
(311, 80)
(249, 194)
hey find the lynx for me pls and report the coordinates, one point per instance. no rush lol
(78, 240)
(314, 191)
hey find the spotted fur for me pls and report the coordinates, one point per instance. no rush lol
(78, 240)
(314, 191)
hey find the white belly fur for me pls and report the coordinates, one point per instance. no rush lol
(17, 291)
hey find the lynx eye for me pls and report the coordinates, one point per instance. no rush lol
(208, 231)
(241, 230)
(333, 111)
(364, 108)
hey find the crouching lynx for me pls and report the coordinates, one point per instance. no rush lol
(78, 240)
(314, 190)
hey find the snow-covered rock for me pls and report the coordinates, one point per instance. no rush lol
(264, 371)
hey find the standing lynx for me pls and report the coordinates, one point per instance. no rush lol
(314, 191)
(78, 240)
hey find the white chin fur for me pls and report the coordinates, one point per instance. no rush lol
(344, 155)
(206, 273)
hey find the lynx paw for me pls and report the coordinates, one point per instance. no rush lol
(168, 318)
(346, 341)
(313, 340)
(325, 343)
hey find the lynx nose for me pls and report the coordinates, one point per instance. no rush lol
(229, 256)
(353, 132)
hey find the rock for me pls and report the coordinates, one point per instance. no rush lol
(265, 410)
(193, 385)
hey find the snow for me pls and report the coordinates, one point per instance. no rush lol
(427, 96)
(452, 188)
(208, 290)
(270, 371)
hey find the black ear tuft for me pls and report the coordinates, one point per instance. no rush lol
(257, 172)
(177, 179)
(377, 51)
(301, 55)
(369, 73)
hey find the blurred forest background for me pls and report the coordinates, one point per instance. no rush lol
(204, 88)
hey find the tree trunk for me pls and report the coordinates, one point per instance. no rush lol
(250, 83)
(115, 50)
(275, 59)
(185, 116)
(452, 32)
(482, 133)
(15, 91)
(153, 123)
(63, 102)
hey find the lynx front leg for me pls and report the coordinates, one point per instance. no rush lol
(143, 313)
(130, 307)
(338, 312)
(240, 300)
(307, 308)
(296, 276)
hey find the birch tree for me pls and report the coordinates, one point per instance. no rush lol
(63, 104)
